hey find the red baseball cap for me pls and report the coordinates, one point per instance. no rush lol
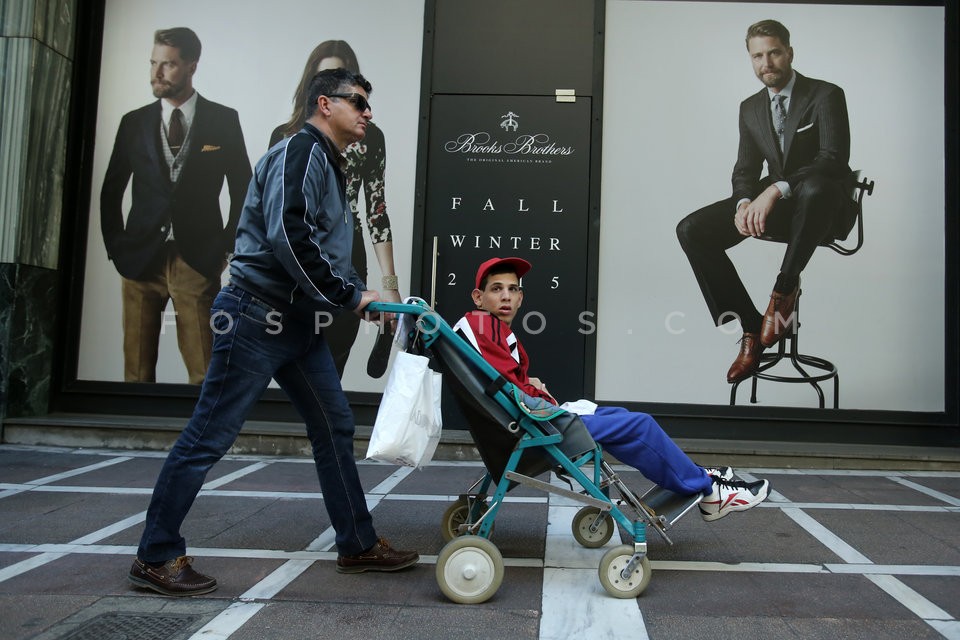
(519, 265)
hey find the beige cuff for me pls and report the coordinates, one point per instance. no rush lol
(390, 283)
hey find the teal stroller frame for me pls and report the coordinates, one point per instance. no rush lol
(517, 444)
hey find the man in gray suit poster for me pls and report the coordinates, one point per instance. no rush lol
(798, 127)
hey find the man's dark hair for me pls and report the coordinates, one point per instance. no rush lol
(768, 28)
(496, 271)
(330, 81)
(181, 38)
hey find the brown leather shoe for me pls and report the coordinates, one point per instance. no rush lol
(748, 360)
(780, 318)
(175, 578)
(379, 557)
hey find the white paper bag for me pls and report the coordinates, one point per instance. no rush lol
(408, 424)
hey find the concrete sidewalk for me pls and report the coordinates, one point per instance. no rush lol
(832, 553)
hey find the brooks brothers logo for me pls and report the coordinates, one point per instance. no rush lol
(482, 146)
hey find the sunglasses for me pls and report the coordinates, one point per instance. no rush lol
(356, 99)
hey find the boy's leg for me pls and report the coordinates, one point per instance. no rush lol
(637, 440)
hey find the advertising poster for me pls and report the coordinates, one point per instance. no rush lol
(247, 76)
(675, 76)
(508, 176)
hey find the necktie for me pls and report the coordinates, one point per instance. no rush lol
(779, 115)
(175, 132)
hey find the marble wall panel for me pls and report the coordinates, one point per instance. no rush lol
(15, 58)
(8, 273)
(27, 326)
(34, 103)
(36, 52)
(49, 21)
(16, 18)
(47, 141)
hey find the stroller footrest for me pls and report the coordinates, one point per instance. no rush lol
(666, 507)
(549, 488)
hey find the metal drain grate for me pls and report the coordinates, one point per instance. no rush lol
(132, 626)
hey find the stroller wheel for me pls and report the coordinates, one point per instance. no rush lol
(611, 567)
(582, 522)
(469, 569)
(457, 514)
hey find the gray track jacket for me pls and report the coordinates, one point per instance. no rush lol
(295, 235)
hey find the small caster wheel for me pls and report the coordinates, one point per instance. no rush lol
(457, 514)
(582, 522)
(611, 567)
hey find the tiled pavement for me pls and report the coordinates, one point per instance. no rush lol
(831, 554)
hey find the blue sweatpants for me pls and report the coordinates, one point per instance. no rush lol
(637, 440)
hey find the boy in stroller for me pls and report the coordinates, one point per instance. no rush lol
(633, 438)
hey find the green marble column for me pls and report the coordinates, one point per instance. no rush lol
(36, 63)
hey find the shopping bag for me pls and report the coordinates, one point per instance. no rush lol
(408, 424)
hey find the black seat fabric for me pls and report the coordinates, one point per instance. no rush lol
(487, 419)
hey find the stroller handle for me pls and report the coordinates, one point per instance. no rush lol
(426, 318)
(416, 310)
(394, 307)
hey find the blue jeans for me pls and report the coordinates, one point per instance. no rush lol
(252, 344)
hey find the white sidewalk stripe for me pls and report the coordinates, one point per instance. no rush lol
(228, 621)
(323, 542)
(277, 581)
(913, 601)
(574, 603)
(828, 538)
(391, 481)
(76, 472)
(909, 598)
(239, 473)
(30, 484)
(933, 493)
(112, 529)
(739, 567)
(29, 564)
(948, 629)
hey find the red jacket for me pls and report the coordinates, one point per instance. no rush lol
(499, 346)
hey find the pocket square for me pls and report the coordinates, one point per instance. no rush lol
(802, 129)
(213, 147)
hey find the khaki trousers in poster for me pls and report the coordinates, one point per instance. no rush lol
(145, 318)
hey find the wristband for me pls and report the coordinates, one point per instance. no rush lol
(390, 283)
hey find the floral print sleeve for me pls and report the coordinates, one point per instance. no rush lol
(366, 163)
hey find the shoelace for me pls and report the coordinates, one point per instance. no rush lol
(715, 472)
(734, 484)
(747, 338)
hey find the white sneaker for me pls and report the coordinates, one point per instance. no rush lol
(732, 495)
(724, 473)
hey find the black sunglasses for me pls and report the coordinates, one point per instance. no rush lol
(356, 99)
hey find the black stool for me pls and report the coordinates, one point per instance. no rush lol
(788, 348)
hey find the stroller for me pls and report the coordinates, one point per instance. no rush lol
(517, 444)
